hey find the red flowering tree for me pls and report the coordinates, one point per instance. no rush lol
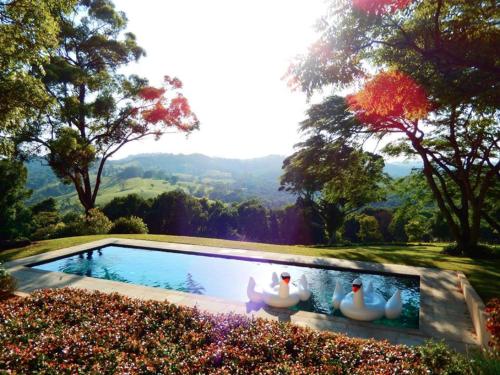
(440, 94)
(95, 110)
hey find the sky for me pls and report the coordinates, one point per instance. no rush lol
(231, 56)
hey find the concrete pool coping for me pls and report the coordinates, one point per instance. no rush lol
(443, 312)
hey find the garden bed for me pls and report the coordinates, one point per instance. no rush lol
(70, 330)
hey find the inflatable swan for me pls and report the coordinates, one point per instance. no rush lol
(363, 303)
(279, 293)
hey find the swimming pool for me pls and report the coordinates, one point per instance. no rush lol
(227, 277)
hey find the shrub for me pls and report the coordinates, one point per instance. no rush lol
(129, 225)
(479, 251)
(96, 222)
(7, 283)
(48, 232)
(493, 323)
(418, 229)
(74, 331)
(13, 244)
(439, 359)
(369, 230)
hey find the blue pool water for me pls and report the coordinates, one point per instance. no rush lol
(228, 277)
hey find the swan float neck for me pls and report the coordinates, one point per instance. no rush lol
(284, 290)
(359, 297)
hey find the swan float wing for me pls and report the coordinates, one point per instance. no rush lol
(253, 295)
(338, 295)
(394, 306)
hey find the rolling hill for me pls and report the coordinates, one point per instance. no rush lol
(230, 180)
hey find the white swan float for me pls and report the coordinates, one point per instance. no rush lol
(363, 303)
(279, 293)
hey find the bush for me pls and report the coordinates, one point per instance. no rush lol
(479, 251)
(493, 324)
(95, 223)
(76, 331)
(80, 225)
(418, 229)
(48, 232)
(485, 363)
(129, 225)
(439, 359)
(14, 244)
(369, 230)
(7, 283)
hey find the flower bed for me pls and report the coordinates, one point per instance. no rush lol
(493, 323)
(70, 330)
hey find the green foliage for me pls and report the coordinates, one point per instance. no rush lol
(96, 110)
(484, 362)
(45, 225)
(47, 205)
(301, 224)
(439, 359)
(160, 337)
(130, 205)
(95, 222)
(70, 153)
(14, 216)
(368, 228)
(252, 220)
(418, 228)
(175, 212)
(132, 224)
(447, 49)
(28, 33)
(7, 283)
(330, 168)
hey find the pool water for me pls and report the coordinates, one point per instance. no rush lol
(228, 277)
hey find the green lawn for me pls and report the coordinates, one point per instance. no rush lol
(483, 274)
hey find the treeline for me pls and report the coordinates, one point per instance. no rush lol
(178, 213)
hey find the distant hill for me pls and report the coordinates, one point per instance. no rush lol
(230, 180)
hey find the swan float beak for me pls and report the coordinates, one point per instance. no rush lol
(285, 276)
(356, 285)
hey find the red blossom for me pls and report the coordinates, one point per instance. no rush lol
(390, 96)
(157, 114)
(380, 6)
(74, 331)
(493, 323)
(181, 104)
(151, 93)
(175, 82)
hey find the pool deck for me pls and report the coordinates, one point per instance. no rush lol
(443, 312)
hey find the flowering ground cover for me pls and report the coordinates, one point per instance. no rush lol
(75, 331)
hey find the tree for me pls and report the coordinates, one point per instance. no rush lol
(221, 220)
(28, 33)
(176, 213)
(14, 216)
(439, 93)
(130, 205)
(252, 221)
(97, 110)
(329, 169)
(301, 224)
(369, 230)
(47, 205)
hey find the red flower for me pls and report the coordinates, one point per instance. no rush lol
(157, 114)
(390, 96)
(380, 6)
(151, 93)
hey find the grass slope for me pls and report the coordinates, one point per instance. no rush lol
(483, 274)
